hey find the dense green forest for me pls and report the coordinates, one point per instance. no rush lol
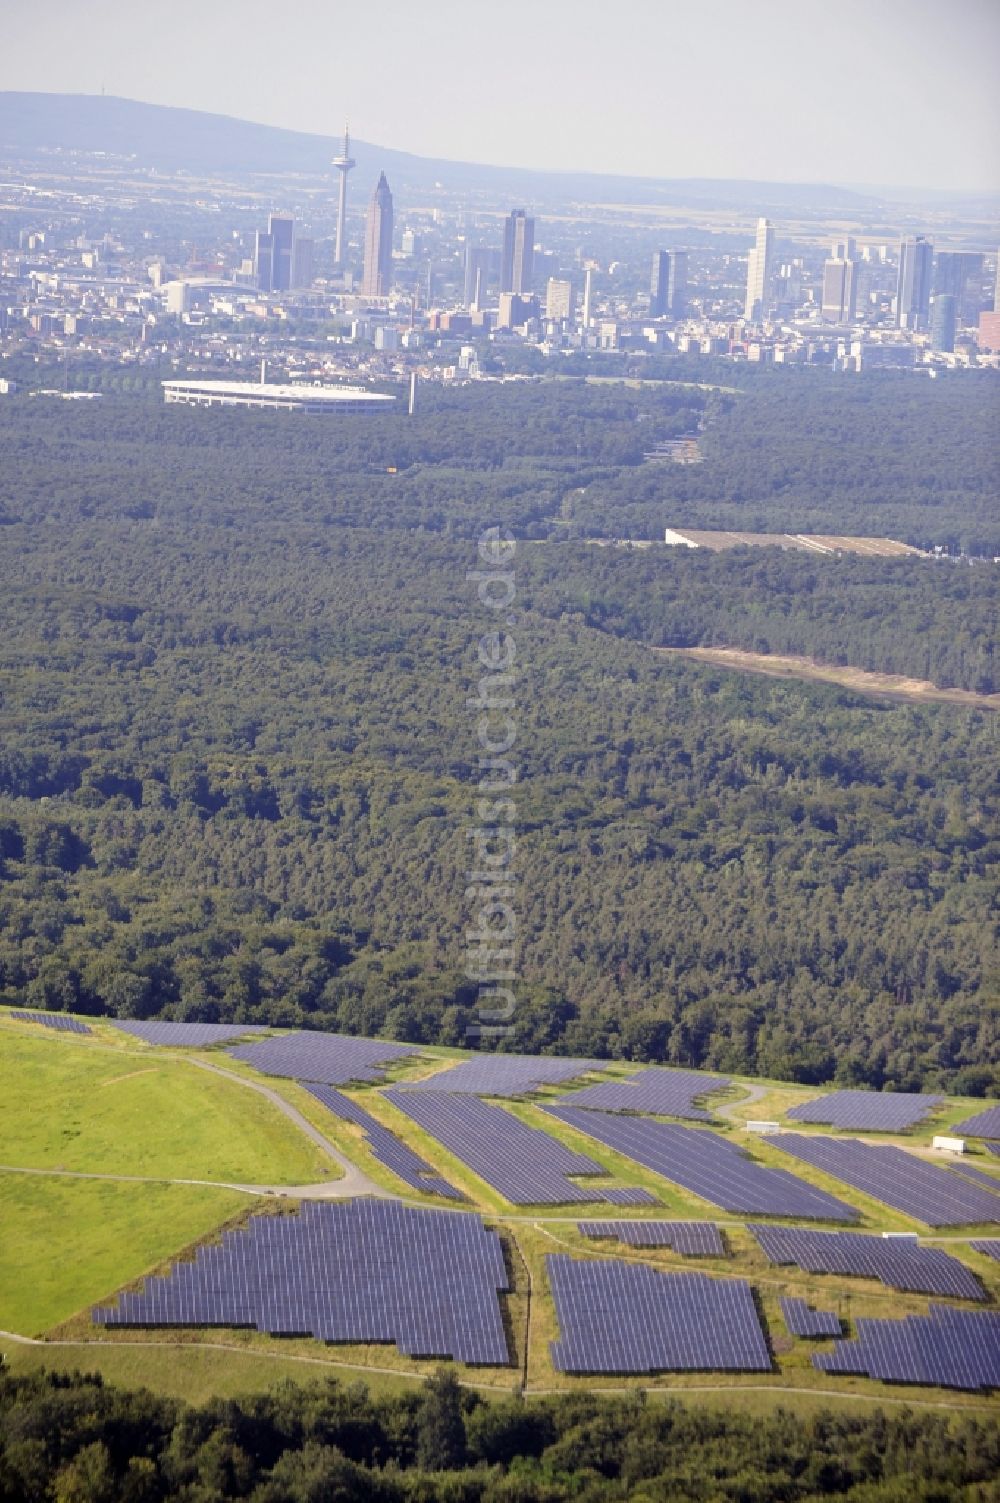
(237, 766)
(785, 451)
(930, 620)
(71, 1439)
(793, 452)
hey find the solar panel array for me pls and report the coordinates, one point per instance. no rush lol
(989, 1246)
(983, 1125)
(386, 1147)
(968, 1171)
(899, 1179)
(992, 1148)
(867, 1111)
(946, 1348)
(802, 1321)
(666, 1093)
(525, 1165)
(333, 1058)
(629, 1195)
(693, 1239)
(708, 1165)
(896, 1262)
(57, 1020)
(619, 1317)
(357, 1271)
(186, 1035)
(507, 1074)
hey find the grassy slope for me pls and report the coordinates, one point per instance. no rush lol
(67, 1243)
(137, 1111)
(196, 1373)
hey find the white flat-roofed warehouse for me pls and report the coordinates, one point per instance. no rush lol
(325, 399)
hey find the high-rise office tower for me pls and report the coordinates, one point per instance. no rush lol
(840, 289)
(960, 275)
(913, 285)
(943, 323)
(658, 276)
(263, 261)
(677, 284)
(587, 311)
(302, 261)
(518, 252)
(477, 272)
(668, 284)
(378, 242)
(343, 164)
(759, 270)
(560, 300)
(281, 228)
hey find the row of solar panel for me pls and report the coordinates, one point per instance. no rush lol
(801, 1321)
(928, 1192)
(356, 1271)
(692, 1239)
(57, 1020)
(385, 1145)
(946, 1348)
(897, 1263)
(617, 1317)
(867, 1111)
(708, 1165)
(523, 1164)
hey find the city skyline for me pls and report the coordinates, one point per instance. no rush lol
(929, 120)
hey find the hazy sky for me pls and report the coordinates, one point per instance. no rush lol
(851, 91)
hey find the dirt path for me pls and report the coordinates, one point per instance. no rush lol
(354, 1181)
(734, 1109)
(532, 1392)
(894, 686)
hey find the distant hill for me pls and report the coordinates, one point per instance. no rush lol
(173, 140)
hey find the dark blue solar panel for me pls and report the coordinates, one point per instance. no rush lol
(693, 1239)
(896, 1262)
(989, 1246)
(899, 1179)
(665, 1093)
(186, 1035)
(524, 1164)
(58, 1020)
(507, 1074)
(708, 1165)
(618, 1317)
(983, 1125)
(802, 1321)
(349, 1271)
(976, 1176)
(333, 1058)
(993, 1148)
(386, 1147)
(867, 1111)
(946, 1348)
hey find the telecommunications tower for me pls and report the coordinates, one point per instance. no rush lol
(343, 164)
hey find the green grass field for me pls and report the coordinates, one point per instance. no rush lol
(138, 1111)
(66, 1243)
(197, 1373)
